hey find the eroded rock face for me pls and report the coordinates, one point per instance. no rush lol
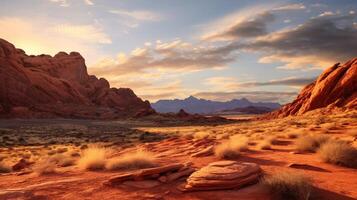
(223, 175)
(59, 86)
(335, 87)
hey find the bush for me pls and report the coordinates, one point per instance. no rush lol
(4, 167)
(45, 167)
(201, 135)
(231, 149)
(136, 160)
(93, 159)
(264, 145)
(339, 153)
(311, 143)
(288, 185)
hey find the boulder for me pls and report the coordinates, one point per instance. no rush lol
(223, 175)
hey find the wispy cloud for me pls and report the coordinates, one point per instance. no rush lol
(175, 56)
(89, 33)
(256, 96)
(289, 7)
(139, 15)
(63, 3)
(89, 2)
(246, 22)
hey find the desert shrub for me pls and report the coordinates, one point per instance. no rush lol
(45, 167)
(311, 142)
(288, 185)
(339, 153)
(51, 152)
(292, 135)
(201, 135)
(5, 167)
(264, 145)
(135, 160)
(93, 158)
(231, 148)
(62, 150)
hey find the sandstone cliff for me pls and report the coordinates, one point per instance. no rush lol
(336, 87)
(44, 86)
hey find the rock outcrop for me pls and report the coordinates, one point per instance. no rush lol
(44, 86)
(152, 177)
(223, 175)
(336, 87)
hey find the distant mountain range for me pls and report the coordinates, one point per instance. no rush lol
(203, 106)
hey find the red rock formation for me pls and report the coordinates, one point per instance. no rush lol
(335, 87)
(59, 86)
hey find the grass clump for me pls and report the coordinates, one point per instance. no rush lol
(134, 160)
(45, 167)
(288, 185)
(93, 159)
(5, 167)
(264, 145)
(339, 153)
(201, 135)
(231, 148)
(311, 143)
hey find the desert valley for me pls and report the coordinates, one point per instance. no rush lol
(66, 133)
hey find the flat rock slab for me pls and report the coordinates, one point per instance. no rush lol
(223, 175)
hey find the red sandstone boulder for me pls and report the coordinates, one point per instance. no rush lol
(335, 87)
(59, 86)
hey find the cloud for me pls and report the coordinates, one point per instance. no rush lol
(289, 7)
(63, 3)
(290, 81)
(233, 84)
(246, 22)
(317, 43)
(250, 27)
(175, 56)
(138, 15)
(37, 36)
(89, 33)
(256, 96)
(89, 2)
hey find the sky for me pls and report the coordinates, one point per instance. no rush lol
(212, 49)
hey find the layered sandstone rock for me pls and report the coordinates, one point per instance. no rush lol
(152, 177)
(223, 175)
(336, 87)
(59, 86)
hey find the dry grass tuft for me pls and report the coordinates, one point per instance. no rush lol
(45, 167)
(339, 153)
(135, 160)
(93, 158)
(292, 135)
(311, 143)
(264, 145)
(288, 185)
(201, 135)
(5, 167)
(231, 149)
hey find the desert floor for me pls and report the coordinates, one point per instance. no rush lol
(35, 140)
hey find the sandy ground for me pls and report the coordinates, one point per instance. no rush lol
(170, 145)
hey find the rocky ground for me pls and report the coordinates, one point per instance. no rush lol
(190, 147)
